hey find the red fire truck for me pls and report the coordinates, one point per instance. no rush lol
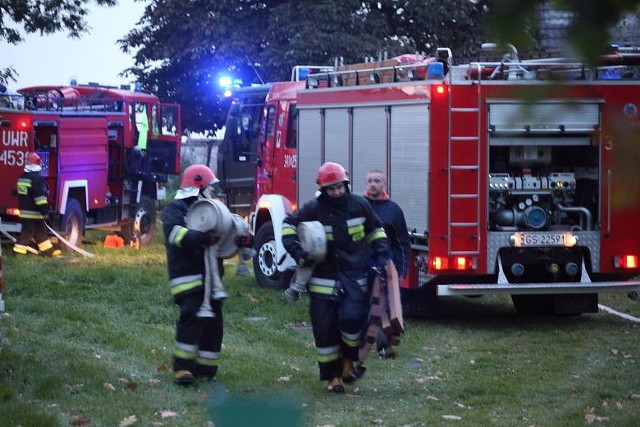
(514, 176)
(106, 152)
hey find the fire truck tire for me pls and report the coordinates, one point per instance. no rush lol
(72, 225)
(265, 261)
(143, 224)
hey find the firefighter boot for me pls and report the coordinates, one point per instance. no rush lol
(350, 373)
(335, 386)
(47, 249)
(184, 378)
(53, 253)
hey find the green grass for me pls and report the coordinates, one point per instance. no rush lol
(88, 342)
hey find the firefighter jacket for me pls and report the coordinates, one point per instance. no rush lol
(185, 249)
(354, 235)
(32, 195)
(395, 226)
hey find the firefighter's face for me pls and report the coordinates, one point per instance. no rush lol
(375, 184)
(335, 190)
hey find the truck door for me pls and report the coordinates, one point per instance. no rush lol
(265, 171)
(285, 156)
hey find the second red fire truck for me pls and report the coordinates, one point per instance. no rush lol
(106, 154)
(515, 177)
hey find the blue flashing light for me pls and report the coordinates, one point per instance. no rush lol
(224, 81)
(227, 93)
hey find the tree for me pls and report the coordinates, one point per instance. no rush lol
(181, 50)
(588, 33)
(44, 16)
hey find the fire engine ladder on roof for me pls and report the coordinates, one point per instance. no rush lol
(464, 168)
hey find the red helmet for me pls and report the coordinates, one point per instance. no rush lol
(199, 176)
(34, 159)
(331, 173)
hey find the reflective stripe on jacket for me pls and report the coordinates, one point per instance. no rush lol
(32, 196)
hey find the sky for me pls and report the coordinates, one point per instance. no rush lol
(95, 57)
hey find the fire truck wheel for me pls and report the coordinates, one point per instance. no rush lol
(143, 225)
(72, 225)
(264, 261)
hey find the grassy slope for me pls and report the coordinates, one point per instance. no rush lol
(88, 342)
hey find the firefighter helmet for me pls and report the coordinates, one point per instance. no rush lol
(198, 176)
(34, 159)
(331, 173)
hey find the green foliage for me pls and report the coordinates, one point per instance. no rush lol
(88, 342)
(45, 17)
(180, 51)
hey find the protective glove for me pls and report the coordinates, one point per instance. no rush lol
(302, 258)
(380, 266)
(211, 238)
(244, 241)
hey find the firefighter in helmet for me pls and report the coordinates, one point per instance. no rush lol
(339, 285)
(33, 192)
(198, 340)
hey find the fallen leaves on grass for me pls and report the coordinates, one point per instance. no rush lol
(80, 421)
(130, 385)
(108, 386)
(451, 417)
(167, 414)
(426, 378)
(591, 416)
(128, 421)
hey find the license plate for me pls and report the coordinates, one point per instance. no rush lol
(543, 239)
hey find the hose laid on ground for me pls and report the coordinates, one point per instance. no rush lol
(211, 214)
(69, 244)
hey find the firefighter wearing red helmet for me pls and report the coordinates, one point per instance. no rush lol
(33, 192)
(339, 285)
(198, 341)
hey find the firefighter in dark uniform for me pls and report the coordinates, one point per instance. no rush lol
(339, 286)
(198, 339)
(33, 192)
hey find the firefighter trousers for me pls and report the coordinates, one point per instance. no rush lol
(337, 330)
(33, 230)
(198, 340)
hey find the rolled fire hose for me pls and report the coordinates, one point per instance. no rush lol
(313, 240)
(206, 215)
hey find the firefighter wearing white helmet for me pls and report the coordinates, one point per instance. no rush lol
(33, 192)
(339, 285)
(198, 340)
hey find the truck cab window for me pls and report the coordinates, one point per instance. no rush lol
(292, 127)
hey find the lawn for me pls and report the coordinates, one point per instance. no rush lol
(87, 341)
